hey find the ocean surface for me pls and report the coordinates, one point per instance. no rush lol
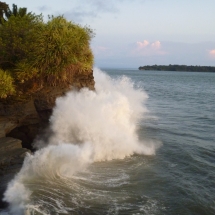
(144, 144)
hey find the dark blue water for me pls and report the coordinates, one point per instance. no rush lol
(181, 177)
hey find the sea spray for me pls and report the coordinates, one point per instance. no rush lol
(87, 126)
(107, 118)
(50, 163)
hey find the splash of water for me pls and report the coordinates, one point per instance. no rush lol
(87, 126)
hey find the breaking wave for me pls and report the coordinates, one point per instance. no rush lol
(87, 127)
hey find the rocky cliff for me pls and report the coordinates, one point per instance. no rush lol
(23, 119)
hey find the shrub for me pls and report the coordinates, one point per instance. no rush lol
(39, 53)
(60, 44)
(6, 84)
(25, 72)
(17, 38)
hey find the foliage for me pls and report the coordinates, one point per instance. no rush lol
(17, 38)
(46, 53)
(178, 68)
(25, 72)
(16, 11)
(3, 9)
(60, 44)
(6, 84)
(6, 12)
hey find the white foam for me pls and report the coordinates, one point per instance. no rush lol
(87, 126)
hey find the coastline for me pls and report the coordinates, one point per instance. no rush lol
(178, 68)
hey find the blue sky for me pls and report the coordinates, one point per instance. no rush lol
(133, 33)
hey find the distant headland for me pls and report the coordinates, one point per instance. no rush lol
(178, 68)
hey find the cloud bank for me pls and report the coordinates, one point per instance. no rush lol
(146, 48)
(144, 52)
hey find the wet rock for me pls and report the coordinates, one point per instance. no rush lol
(11, 159)
(36, 109)
(11, 155)
(21, 120)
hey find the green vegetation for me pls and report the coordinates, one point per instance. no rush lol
(6, 84)
(178, 68)
(37, 53)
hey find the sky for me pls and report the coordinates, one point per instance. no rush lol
(133, 33)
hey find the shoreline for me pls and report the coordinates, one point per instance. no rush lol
(178, 68)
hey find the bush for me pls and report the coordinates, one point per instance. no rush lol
(39, 53)
(59, 45)
(17, 38)
(6, 84)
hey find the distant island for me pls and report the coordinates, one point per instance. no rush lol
(178, 68)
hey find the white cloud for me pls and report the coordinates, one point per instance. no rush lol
(212, 53)
(140, 54)
(143, 44)
(146, 48)
(156, 44)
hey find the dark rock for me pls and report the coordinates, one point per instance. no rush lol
(24, 118)
(36, 109)
(3, 186)
(16, 115)
(26, 134)
(11, 158)
(11, 154)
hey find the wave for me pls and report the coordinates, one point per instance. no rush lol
(87, 127)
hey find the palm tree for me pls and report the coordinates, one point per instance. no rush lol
(3, 9)
(22, 11)
(6, 12)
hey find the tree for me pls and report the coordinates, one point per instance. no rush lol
(16, 11)
(3, 9)
(60, 49)
(6, 12)
(38, 53)
(17, 39)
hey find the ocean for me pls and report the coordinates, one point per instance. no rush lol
(143, 143)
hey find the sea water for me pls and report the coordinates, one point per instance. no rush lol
(142, 143)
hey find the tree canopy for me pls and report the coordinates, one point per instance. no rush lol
(6, 12)
(47, 53)
(171, 67)
(3, 10)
